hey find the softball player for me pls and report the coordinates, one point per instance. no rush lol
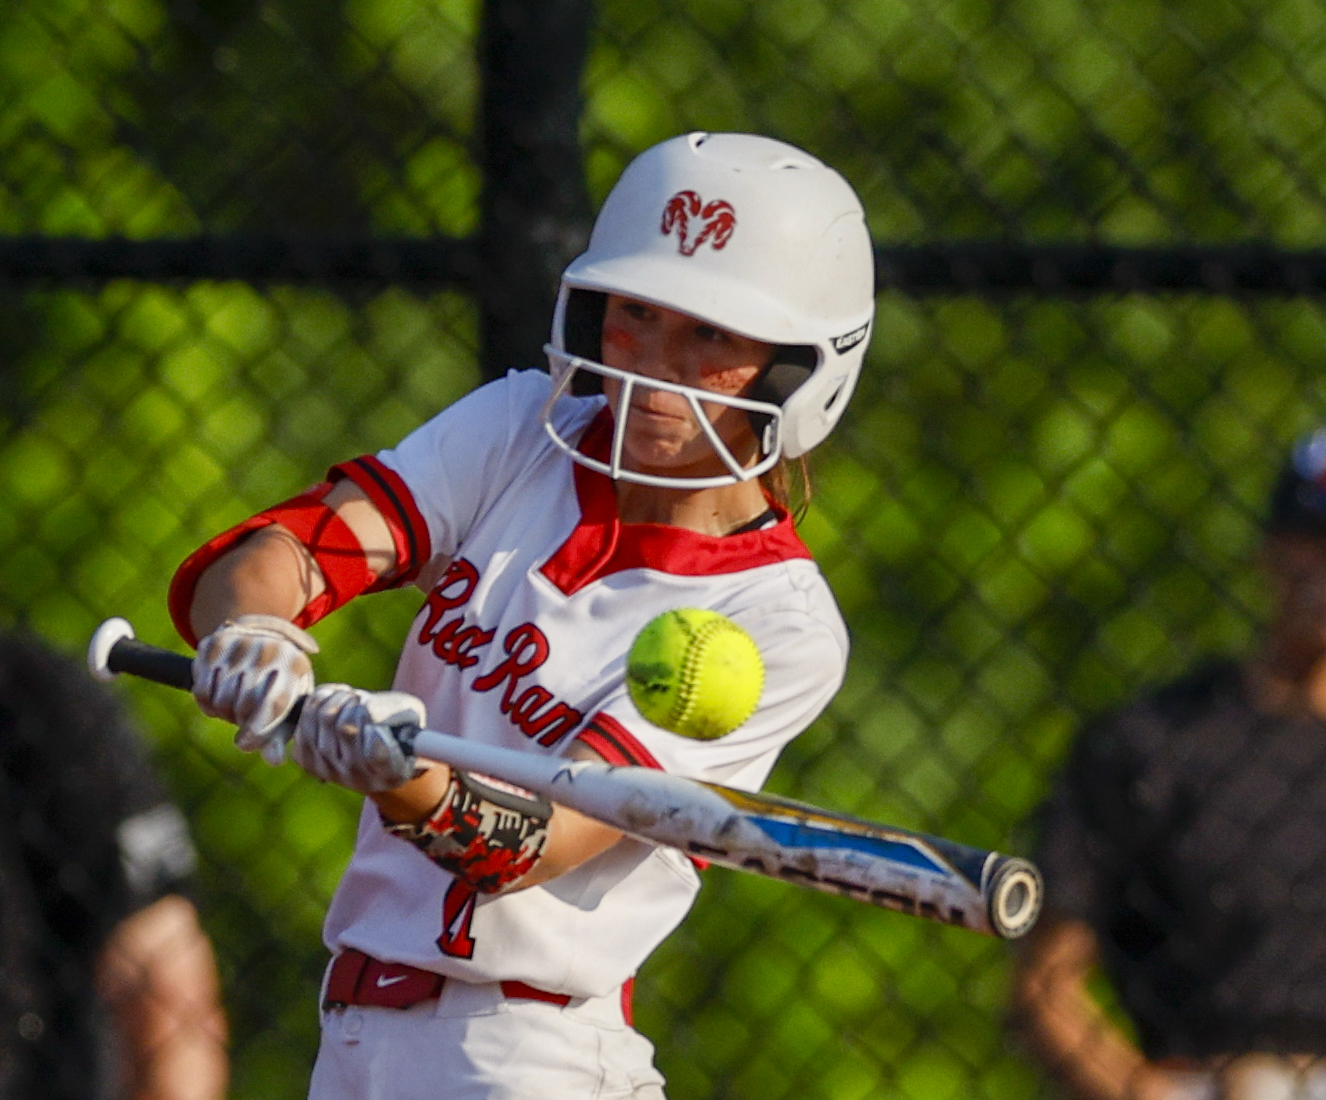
(484, 943)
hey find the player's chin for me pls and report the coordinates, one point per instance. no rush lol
(660, 461)
(672, 447)
(658, 439)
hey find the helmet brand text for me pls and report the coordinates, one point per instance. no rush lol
(845, 343)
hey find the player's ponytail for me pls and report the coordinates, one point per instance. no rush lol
(788, 485)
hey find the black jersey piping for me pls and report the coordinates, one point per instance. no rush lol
(411, 538)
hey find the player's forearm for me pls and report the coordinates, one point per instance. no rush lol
(1070, 1033)
(159, 977)
(573, 838)
(1086, 1050)
(269, 573)
(411, 803)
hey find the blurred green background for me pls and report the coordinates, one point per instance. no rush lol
(1034, 505)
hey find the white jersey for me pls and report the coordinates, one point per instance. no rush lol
(535, 594)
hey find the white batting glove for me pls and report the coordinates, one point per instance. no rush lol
(343, 737)
(250, 671)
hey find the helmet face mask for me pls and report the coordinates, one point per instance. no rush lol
(752, 236)
(566, 368)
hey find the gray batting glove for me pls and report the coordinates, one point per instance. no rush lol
(250, 671)
(344, 737)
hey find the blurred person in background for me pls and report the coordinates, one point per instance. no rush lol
(1184, 850)
(108, 985)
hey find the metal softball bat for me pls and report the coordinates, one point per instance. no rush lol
(762, 834)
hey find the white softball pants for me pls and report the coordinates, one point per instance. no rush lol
(472, 1043)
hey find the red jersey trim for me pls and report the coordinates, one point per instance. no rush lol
(616, 744)
(628, 1001)
(393, 499)
(602, 545)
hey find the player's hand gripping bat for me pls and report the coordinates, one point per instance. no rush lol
(760, 833)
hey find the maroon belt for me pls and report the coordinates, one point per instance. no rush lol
(359, 979)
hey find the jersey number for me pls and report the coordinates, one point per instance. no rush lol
(457, 915)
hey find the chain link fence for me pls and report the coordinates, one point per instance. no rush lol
(1039, 502)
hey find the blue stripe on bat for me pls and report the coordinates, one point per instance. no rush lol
(791, 834)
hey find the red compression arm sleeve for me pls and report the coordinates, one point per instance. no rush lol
(328, 538)
(332, 543)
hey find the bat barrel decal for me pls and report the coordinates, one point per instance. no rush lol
(763, 834)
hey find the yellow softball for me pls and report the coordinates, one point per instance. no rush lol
(695, 672)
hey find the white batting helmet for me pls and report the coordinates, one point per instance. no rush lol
(751, 235)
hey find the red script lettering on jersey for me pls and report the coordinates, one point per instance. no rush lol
(533, 709)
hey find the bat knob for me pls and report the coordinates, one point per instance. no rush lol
(1015, 898)
(103, 641)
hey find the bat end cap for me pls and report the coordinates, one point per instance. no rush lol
(1015, 898)
(103, 641)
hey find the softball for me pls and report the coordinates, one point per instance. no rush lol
(695, 672)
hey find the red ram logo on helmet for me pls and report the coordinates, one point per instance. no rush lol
(716, 221)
